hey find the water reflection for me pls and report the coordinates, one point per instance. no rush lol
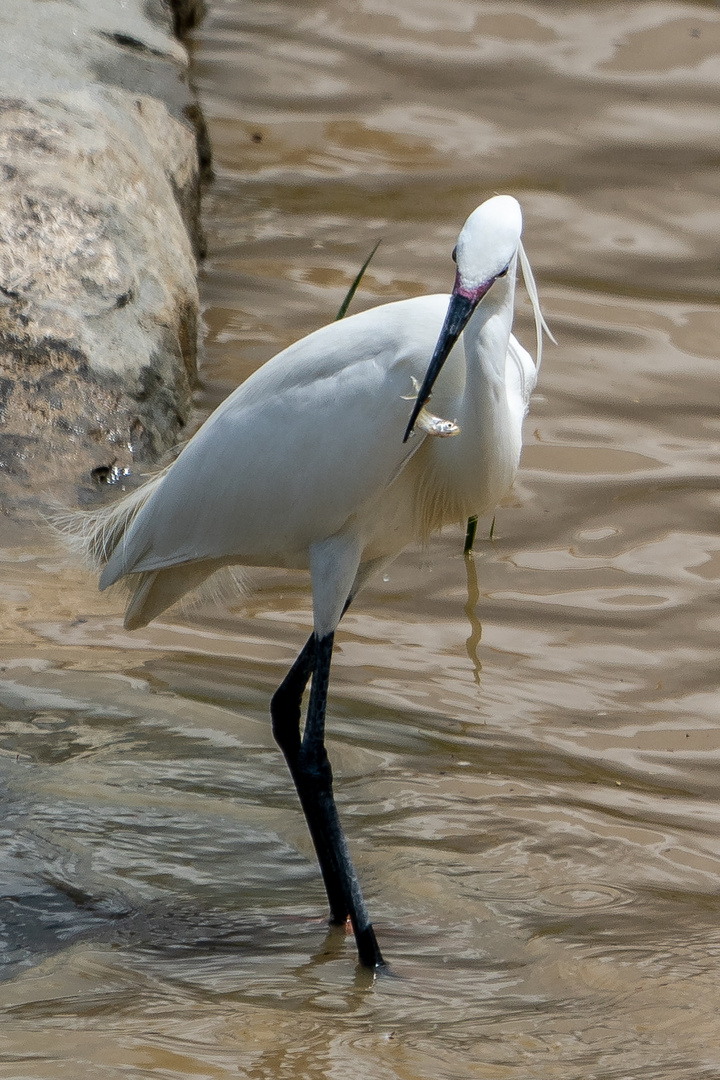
(471, 611)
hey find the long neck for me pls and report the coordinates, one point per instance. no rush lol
(485, 340)
(487, 451)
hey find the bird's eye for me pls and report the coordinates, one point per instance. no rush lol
(454, 254)
(504, 272)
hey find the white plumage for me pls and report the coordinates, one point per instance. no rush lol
(305, 465)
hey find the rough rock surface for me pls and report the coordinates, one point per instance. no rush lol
(101, 150)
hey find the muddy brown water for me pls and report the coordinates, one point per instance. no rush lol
(526, 745)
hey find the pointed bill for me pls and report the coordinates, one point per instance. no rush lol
(462, 304)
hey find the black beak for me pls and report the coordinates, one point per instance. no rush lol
(458, 314)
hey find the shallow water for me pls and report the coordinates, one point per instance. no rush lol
(526, 745)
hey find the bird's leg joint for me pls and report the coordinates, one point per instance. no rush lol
(285, 724)
(285, 706)
(314, 763)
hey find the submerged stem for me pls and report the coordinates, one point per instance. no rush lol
(470, 534)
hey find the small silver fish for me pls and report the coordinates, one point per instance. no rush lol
(428, 422)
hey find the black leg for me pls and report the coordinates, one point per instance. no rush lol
(310, 769)
(285, 707)
(286, 710)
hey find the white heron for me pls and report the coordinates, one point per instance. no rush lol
(312, 463)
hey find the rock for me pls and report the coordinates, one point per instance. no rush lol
(101, 151)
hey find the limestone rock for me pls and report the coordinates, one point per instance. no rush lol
(100, 160)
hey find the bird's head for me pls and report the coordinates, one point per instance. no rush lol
(486, 246)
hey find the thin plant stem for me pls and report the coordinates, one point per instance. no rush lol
(353, 288)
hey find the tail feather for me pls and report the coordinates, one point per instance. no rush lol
(158, 590)
(95, 535)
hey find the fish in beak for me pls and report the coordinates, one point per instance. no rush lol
(463, 302)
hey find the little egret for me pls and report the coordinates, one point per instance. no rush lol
(328, 459)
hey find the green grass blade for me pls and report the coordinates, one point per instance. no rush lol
(353, 288)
